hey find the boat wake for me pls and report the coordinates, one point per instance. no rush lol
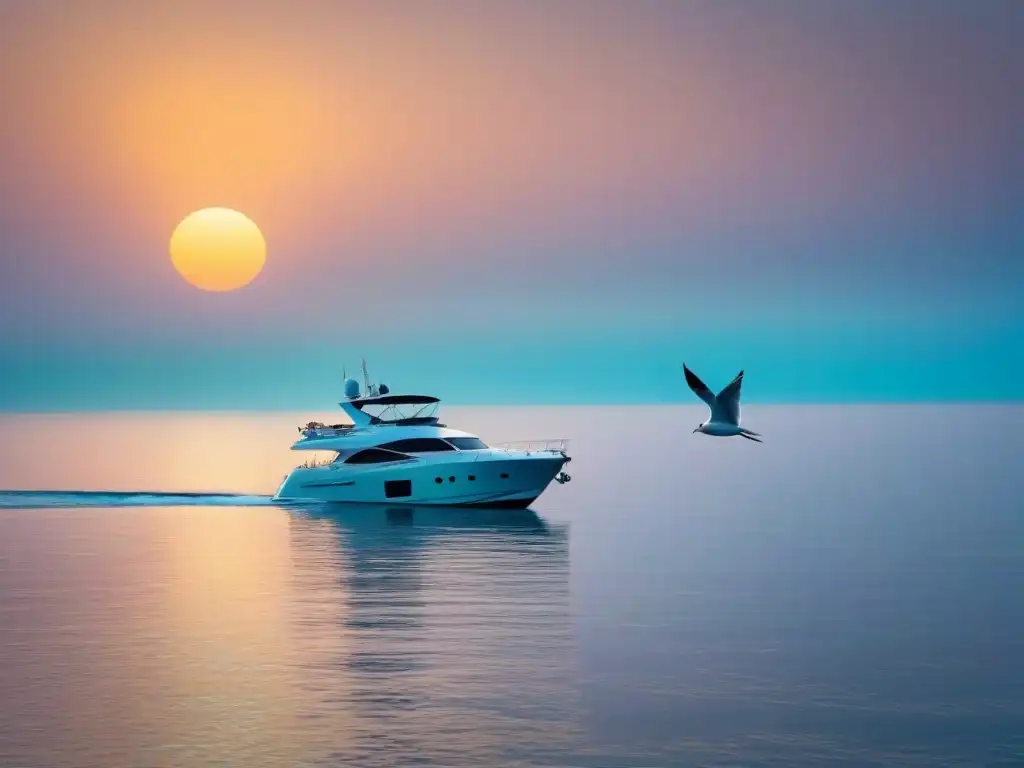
(64, 499)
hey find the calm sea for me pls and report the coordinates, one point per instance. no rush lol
(849, 593)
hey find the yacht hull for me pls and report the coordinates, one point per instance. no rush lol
(500, 481)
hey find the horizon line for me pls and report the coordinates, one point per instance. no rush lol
(5, 411)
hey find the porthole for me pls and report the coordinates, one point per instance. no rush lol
(451, 479)
(438, 480)
(504, 475)
(472, 477)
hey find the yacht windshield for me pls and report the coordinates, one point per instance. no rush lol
(375, 456)
(467, 443)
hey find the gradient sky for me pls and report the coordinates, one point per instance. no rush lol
(515, 201)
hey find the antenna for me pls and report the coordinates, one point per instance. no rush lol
(366, 377)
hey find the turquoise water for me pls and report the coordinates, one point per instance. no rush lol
(847, 593)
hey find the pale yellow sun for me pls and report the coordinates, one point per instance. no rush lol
(218, 249)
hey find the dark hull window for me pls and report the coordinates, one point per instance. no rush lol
(396, 489)
(418, 445)
(468, 443)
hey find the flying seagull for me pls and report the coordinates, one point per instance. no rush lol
(725, 408)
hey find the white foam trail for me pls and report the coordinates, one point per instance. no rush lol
(62, 499)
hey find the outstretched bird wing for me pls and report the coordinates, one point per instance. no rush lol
(727, 404)
(699, 388)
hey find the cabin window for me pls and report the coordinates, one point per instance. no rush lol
(374, 456)
(468, 443)
(395, 489)
(418, 445)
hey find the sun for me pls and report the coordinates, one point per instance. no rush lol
(218, 249)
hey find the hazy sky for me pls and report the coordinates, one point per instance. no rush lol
(549, 201)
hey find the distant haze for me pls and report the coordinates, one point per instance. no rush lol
(515, 202)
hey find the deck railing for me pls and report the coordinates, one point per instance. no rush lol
(313, 462)
(555, 444)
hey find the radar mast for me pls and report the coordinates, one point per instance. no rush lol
(371, 391)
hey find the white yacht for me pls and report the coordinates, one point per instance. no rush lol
(396, 452)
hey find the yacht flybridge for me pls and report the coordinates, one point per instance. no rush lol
(395, 451)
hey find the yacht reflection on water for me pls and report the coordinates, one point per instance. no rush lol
(447, 520)
(439, 633)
